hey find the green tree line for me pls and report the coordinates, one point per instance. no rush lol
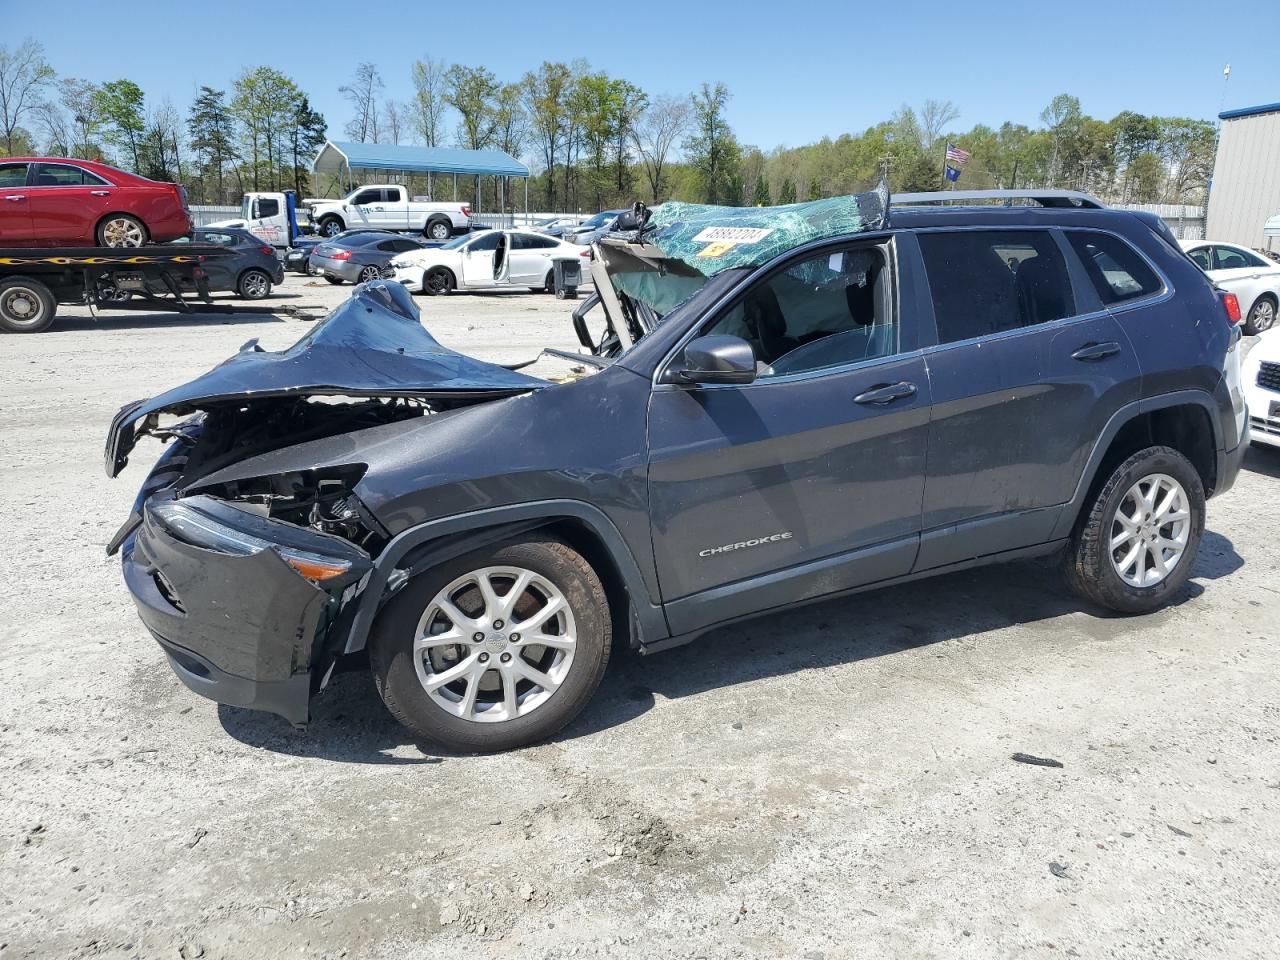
(593, 140)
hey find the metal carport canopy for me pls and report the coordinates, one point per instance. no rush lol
(337, 156)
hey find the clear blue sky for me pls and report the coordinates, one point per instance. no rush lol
(797, 70)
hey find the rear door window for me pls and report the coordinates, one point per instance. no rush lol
(66, 175)
(1116, 270)
(1229, 258)
(986, 282)
(12, 175)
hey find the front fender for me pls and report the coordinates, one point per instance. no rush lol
(649, 617)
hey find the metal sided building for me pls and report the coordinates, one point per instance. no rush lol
(1246, 176)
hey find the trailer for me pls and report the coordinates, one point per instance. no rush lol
(34, 281)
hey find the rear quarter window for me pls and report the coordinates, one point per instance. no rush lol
(1116, 270)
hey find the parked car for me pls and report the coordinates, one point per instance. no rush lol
(835, 399)
(52, 201)
(389, 207)
(1261, 376)
(555, 226)
(250, 272)
(1252, 278)
(492, 258)
(592, 229)
(297, 259)
(358, 257)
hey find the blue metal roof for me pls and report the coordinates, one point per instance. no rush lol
(336, 154)
(1249, 111)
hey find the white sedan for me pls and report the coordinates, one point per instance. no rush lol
(486, 259)
(1261, 375)
(1254, 279)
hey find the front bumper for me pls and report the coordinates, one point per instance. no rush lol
(1264, 430)
(244, 629)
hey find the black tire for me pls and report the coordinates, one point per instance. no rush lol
(437, 281)
(438, 230)
(396, 677)
(254, 285)
(336, 281)
(368, 273)
(1262, 316)
(1090, 569)
(549, 285)
(330, 227)
(108, 231)
(26, 306)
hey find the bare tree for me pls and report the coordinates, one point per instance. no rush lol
(362, 94)
(24, 74)
(394, 122)
(659, 129)
(81, 100)
(429, 104)
(935, 115)
(56, 127)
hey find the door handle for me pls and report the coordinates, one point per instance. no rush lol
(1093, 352)
(15, 197)
(100, 193)
(887, 393)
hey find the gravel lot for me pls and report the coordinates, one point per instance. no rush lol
(833, 782)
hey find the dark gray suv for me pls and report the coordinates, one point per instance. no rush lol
(783, 405)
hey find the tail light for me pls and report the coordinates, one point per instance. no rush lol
(340, 255)
(466, 210)
(585, 253)
(1231, 303)
(267, 250)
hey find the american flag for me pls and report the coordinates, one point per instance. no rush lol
(956, 155)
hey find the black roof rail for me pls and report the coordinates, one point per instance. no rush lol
(1046, 198)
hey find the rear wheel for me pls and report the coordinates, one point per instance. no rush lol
(1262, 316)
(1134, 548)
(254, 285)
(549, 285)
(330, 227)
(26, 306)
(121, 230)
(495, 650)
(437, 281)
(439, 230)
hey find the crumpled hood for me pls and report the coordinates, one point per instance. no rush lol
(374, 345)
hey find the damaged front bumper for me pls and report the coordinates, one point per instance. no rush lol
(249, 610)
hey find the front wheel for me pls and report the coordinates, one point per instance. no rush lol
(254, 285)
(494, 650)
(26, 306)
(437, 281)
(1134, 548)
(1261, 317)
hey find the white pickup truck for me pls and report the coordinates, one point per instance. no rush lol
(389, 207)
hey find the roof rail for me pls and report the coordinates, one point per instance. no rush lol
(1046, 198)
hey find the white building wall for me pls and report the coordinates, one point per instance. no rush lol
(1246, 180)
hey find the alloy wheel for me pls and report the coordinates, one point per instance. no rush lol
(122, 232)
(1149, 530)
(370, 273)
(495, 644)
(256, 285)
(1264, 315)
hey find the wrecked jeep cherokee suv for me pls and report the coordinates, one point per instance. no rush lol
(784, 405)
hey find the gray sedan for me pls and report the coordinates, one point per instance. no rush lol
(360, 257)
(249, 271)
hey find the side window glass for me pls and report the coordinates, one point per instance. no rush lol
(1203, 258)
(986, 282)
(13, 175)
(1231, 259)
(827, 311)
(487, 242)
(268, 207)
(543, 243)
(1117, 271)
(65, 175)
(368, 196)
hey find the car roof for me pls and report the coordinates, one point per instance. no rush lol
(97, 166)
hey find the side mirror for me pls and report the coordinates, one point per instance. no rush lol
(718, 359)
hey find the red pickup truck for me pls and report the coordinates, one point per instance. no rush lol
(56, 202)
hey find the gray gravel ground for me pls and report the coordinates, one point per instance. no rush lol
(832, 782)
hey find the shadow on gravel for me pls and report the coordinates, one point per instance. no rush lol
(1263, 460)
(350, 724)
(128, 321)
